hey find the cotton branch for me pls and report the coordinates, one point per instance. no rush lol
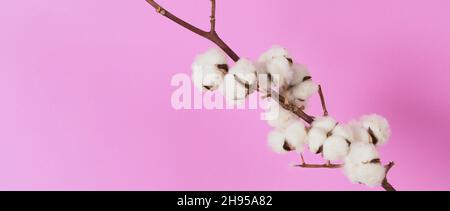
(214, 37)
(211, 35)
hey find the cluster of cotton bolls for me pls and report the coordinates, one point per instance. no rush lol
(274, 70)
(292, 79)
(353, 143)
(210, 72)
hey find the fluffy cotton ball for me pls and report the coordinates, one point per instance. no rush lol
(296, 135)
(344, 131)
(263, 77)
(305, 90)
(277, 116)
(280, 70)
(245, 70)
(213, 56)
(325, 123)
(234, 91)
(206, 78)
(208, 70)
(277, 141)
(278, 64)
(316, 138)
(379, 126)
(293, 99)
(301, 87)
(300, 74)
(275, 51)
(362, 153)
(359, 133)
(371, 174)
(335, 148)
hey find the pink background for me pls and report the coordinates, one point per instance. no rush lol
(85, 92)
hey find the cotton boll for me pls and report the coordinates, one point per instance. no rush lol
(316, 138)
(362, 153)
(206, 78)
(305, 90)
(213, 56)
(300, 74)
(301, 87)
(325, 123)
(208, 70)
(277, 116)
(335, 148)
(280, 69)
(371, 174)
(233, 91)
(278, 63)
(344, 131)
(350, 171)
(296, 101)
(281, 120)
(245, 70)
(359, 133)
(379, 126)
(277, 141)
(263, 77)
(275, 51)
(296, 135)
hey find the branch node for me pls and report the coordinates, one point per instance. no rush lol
(161, 10)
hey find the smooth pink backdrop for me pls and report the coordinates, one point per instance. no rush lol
(85, 92)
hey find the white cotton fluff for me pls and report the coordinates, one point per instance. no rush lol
(277, 141)
(371, 174)
(213, 56)
(275, 51)
(296, 135)
(280, 70)
(233, 91)
(277, 116)
(206, 74)
(362, 153)
(206, 78)
(326, 123)
(316, 138)
(300, 73)
(278, 64)
(263, 77)
(344, 131)
(379, 125)
(335, 148)
(359, 133)
(245, 70)
(296, 101)
(305, 90)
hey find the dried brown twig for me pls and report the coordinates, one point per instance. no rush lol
(214, 37)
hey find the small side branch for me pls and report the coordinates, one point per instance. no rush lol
(167, 14)
(322, 101)
(386, 185)
(317, 166)
(213, 16)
